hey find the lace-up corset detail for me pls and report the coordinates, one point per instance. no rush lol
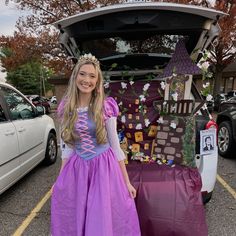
(87, 147)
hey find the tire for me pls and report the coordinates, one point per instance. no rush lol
(51, 150)
(226, 145)
(206, 198)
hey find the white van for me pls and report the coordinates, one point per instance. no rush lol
(27, 136)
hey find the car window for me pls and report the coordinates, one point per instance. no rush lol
(36, 99)
(106, 47)
(18, 106)
(2, 115)
(39, 99)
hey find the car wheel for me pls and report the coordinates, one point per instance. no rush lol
(206, 198)
(225, 140)
(51, 150)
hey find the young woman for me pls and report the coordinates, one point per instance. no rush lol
(92, 195)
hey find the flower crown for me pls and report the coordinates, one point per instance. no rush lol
(89, 58)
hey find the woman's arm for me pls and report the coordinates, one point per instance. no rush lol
(66, 152)
(113, 139)
(131, 189)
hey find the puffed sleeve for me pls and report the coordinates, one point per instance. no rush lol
(110, 108)
(111, 112)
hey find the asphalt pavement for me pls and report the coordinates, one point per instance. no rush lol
(17, 203)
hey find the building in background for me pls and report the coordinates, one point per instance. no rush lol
(228, 81)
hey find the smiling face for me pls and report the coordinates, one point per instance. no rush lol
(87, 79)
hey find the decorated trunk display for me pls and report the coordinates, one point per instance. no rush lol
(157, 115)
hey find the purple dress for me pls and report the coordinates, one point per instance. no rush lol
(90, 197)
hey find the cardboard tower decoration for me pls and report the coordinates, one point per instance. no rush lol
(175, 140)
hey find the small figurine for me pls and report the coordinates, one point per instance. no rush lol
(162, 160)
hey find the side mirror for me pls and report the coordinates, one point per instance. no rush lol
(40, 110)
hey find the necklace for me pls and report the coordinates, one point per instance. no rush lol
(82, 109)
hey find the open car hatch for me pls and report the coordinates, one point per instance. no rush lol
(140, 21)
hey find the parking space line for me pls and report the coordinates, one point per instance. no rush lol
(226, 186)
(32, 214)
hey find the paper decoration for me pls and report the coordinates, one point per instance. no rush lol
(208, 141)
(179, 85)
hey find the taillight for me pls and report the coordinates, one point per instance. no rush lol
(211, 124)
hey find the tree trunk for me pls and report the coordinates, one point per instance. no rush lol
(217, 80)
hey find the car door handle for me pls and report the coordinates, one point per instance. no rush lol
(9, 133)
(21, 129)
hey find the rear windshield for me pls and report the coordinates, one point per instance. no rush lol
(144, 53)
(106, 47)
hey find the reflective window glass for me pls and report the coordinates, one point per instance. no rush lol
(19, 107)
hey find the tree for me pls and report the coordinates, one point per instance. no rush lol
(224, 52)
(28, 58)
(22, 48)
(28, 78)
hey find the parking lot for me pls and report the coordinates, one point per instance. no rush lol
(156, 58)
(25, 208)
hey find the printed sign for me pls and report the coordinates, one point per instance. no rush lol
(208, 141)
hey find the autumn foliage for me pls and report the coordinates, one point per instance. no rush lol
(20, 49)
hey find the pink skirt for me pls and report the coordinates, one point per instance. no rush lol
(90, 198)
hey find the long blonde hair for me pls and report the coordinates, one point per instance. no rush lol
(68, 111)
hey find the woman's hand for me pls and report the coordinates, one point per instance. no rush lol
(132, 190)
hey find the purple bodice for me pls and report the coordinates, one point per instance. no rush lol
(88, 148)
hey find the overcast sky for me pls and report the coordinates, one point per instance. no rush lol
(9, 14)
(8, 17)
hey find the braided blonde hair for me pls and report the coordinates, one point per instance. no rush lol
(70, 115)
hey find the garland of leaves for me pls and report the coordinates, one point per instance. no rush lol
(207, 87)
(189, 142)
